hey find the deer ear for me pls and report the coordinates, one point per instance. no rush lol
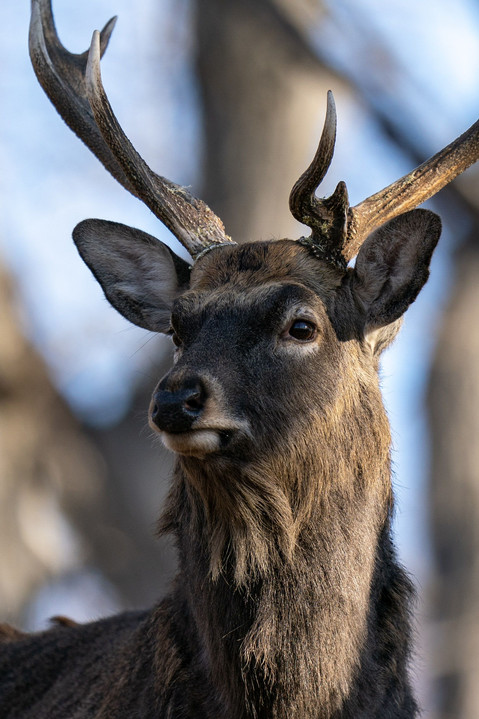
(391, 268)
(140, 275)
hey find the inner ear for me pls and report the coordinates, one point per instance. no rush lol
(391, 268)
(140, 276)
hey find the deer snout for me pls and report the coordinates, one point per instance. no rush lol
(176, 410)
(193, 416)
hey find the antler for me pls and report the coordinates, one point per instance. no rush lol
(338, 231)
(73, 84)
(411, 190)
(327, 218)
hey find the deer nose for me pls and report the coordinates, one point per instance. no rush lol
(175, 411)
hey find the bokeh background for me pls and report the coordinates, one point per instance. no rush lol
(228, 97)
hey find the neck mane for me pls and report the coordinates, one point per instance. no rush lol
(285, 589)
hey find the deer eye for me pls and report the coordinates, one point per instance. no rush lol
(303, 330)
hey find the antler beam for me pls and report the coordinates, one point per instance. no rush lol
(73, 84)
(413, 189)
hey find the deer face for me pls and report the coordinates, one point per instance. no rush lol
(251, 334)
(268, 339)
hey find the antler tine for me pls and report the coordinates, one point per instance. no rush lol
(190, 219)
(61, 75)
(73, 83)
(327, 217)
(412, 189)
(302, 196)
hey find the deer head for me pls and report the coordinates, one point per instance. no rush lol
(242, 317)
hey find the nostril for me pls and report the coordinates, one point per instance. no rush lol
(194, 403)
(176, 410)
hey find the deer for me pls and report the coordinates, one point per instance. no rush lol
(289, 599)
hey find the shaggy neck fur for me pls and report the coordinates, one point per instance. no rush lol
(285, 566)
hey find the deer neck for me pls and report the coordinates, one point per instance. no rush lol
(282, 621)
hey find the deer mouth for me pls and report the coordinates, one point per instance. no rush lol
(191, 424)
(197, 442)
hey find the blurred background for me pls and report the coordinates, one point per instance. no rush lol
(228, 98)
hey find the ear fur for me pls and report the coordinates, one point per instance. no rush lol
(391, 268)
(140, 275)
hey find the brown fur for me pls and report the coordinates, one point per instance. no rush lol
(289, 601)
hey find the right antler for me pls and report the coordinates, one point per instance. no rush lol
(328, 217)
(73, 84)
(413, 189)
(338, 231)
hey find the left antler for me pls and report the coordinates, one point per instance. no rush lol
(73, 84)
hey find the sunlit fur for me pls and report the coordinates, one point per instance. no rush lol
(289, 601)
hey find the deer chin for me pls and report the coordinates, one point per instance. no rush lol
(197, 442)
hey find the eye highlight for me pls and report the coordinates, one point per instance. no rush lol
(303, 330)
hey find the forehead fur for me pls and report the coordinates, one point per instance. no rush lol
(247, 266)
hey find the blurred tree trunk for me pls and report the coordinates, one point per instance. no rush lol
(263, 96)
(47, 468)
(454, 491)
